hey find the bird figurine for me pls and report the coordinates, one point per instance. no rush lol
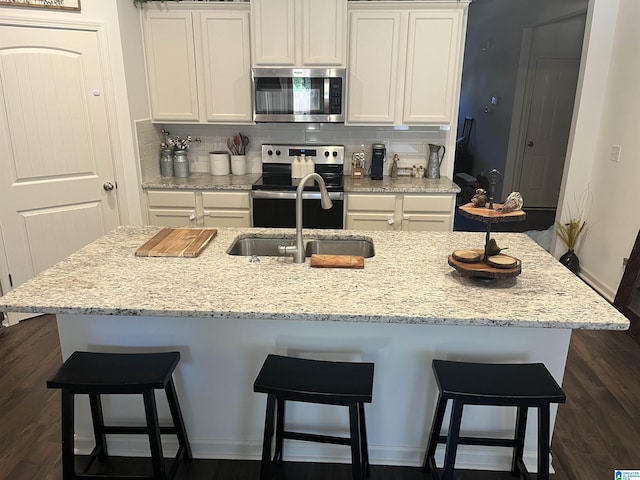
(493, 248)
(480, 199)
(513, 202)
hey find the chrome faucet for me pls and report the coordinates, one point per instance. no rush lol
(298, 249)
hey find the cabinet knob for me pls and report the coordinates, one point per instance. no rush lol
(530, 144)
(391, 220)
(406, 217)
(192, 216)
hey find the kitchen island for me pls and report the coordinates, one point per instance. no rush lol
(225, 314)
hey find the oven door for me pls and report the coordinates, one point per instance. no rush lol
(276, 209)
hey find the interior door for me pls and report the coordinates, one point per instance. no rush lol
(57, 188)
(547, 131)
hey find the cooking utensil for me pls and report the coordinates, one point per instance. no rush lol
(231, 146)
(238, 144)
(245, 143)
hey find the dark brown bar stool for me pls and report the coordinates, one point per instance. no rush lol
(314, 381)
(96, 374)
(507, 385)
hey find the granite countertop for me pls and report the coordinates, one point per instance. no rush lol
(204, 181)
(400, 185)
(407, 281)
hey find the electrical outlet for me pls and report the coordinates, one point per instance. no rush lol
(615, 153)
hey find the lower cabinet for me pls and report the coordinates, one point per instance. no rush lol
(199, 209)
(397, 211)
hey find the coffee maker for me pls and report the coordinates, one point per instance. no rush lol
(377, 161)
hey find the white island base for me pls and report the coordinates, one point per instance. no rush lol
(220, 358)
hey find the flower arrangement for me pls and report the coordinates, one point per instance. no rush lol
(175, 143)
(569, 232)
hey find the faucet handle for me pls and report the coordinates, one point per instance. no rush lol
(287, 249)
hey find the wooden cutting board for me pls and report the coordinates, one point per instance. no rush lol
(177, 242)
(337, 261)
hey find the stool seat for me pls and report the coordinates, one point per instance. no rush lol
(497, 384)
(516, 385)
(90, 372)
(95, 374)
(314, 381)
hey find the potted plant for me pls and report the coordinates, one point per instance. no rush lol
(570, 233)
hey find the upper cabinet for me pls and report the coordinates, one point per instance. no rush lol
(299, 33)
(198, 62)
(405, 62)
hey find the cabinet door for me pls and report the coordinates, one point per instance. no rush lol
(226, 209)
(433, 56)
(172, 209)
(374, 46)
(324, 32)
(370, 221)
(273, 32)
(225, 72)
(171, 68)
(428, 212)
(415, 222)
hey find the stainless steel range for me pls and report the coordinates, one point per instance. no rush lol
(274, 193)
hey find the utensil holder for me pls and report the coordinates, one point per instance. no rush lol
(238, 164)
(219, 163)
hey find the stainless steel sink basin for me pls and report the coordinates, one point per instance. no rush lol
(341, 246)
(268, 246)
(261, 246)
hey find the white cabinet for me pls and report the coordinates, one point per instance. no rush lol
(198, 63)
(299, 32)
(405, 62)
(171, 208)
(385, 211)
(226, 209)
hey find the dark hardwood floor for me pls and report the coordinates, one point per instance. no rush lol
(597, 430)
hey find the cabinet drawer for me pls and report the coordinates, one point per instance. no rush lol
(371, 203)
(172, 218)
(226, 200)
(161, 198)
(428, 203)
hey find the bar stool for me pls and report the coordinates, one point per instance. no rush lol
(314, 381)
(516, 385)
(95, 374)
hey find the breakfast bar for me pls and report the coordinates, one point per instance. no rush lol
(225, 313)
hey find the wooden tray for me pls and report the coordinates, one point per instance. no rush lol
(483, 270)
(337, 261)
(177, 242)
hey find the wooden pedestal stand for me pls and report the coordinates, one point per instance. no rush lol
(476, 262)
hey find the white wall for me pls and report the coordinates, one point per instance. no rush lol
(608, 108)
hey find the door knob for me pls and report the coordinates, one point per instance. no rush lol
(108, 186)
(530, 144)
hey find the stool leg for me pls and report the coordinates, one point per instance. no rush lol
(356, 448)
(363, 441)
(452, 440)
(178, 421)
(67, 421)
(543, 442)
(436, 426)
(266, 464)
(98, 426)
(277, 457)
(521, 427)
(151, 413)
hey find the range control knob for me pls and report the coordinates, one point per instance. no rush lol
(269, 152)
(326, 153)
(277, 152)
(335, 154)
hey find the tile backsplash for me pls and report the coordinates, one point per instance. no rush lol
(410, 143)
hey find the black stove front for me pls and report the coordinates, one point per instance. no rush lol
(274, 193)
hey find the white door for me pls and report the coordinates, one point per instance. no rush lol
(55, 150)
(547, 131)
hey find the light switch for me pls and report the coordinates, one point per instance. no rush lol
(615, 153)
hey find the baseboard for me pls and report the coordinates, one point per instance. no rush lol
(597, 285)
(468, 457)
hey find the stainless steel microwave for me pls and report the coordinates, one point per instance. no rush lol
(298, 94)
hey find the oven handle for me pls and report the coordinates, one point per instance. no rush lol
(267, 194)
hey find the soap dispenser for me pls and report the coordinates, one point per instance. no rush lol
(309, 166)
(296, 168)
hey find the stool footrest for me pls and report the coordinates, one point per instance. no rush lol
(482, 441)
(313, 437)
(135, 430)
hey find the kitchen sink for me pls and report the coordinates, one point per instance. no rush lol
(261, 246)
(268, 246)
(341, 246)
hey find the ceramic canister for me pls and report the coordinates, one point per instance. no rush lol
(219, 163)
(238, 164)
